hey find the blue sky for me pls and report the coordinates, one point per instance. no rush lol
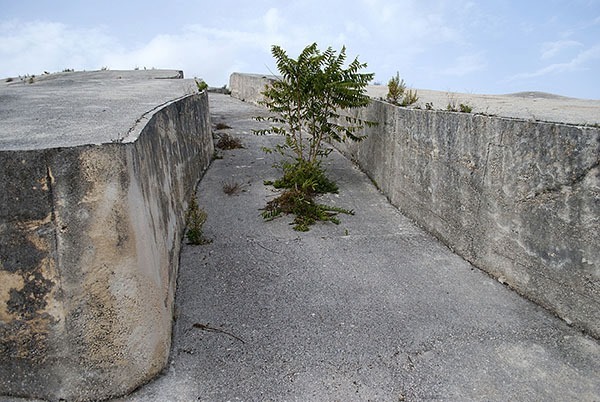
(488, 47)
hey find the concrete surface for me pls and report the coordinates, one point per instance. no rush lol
(80, 108)
(90, 234)
(373, 309)
(518, 198)
(532, 106)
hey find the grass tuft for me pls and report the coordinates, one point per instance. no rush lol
(227, 142)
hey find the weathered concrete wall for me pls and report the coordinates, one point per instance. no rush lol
(248, 87)
(519, 199)
(90, 244)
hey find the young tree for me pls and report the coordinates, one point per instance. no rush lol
(308, 99)
(396, 88)
(311, 104)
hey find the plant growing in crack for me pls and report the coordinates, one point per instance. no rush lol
(228, 142)
(398, 94)
(311, 107)
(195, 218)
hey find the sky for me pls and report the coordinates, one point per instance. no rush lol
(483, 47)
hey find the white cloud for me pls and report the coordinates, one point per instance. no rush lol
(576, 64)
(551, 49)
(466, 64)
(50, 46)
(273, 20)
(213, 53)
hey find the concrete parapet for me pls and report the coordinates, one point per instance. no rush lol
(90, 238)
(518, 198)
(248, 87)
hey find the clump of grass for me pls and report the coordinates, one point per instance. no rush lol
(462, 107)
(306, 176)
(465, 108)
(410, 97)
(227, 141)
(195, 218)
(302, 182)
(222, 126)
(303, 205)
(232, 187)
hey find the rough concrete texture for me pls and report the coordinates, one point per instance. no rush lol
(373, 309)
(518, 198)
(532, 106)
(90, 234)
(82, 108)
(248, 87)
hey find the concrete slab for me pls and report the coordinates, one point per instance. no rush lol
(79, 108)
(372, 309)
(534, 106)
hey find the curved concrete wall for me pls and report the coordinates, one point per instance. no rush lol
(519, 199)
(91, 238)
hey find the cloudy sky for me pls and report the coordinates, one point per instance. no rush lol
(485, 46)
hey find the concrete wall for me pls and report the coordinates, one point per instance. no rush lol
(91, 238)
(519, 199)
(248, 87)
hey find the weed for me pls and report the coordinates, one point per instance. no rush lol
(451, 106)
(195, 218)
(31, 79)
(229, 142)
(104, 68)
(232, 187)
(305, 176)
(396, 88)
(68, 70)
(465, 108)
(303, 205)
(201, 84)
(222, 126)
(410, 97)
(216, 155)
(397, 93)
(429, 105)
(9, 79)
(302, 182)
